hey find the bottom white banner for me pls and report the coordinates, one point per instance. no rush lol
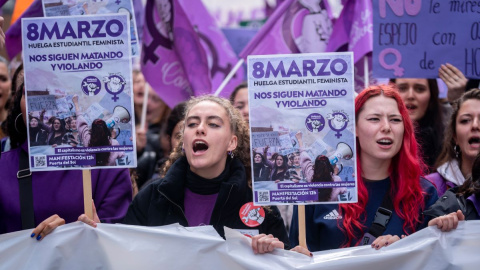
(79, 246)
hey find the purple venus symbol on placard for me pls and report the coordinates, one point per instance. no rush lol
(337, 122)
(114, 84)
(398, 71)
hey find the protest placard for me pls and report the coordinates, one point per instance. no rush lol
(42, 102)
(308, 100)
(262, 139)
(54, 8)
(413, 38)
(71, 65)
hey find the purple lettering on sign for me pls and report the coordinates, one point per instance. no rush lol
(412, 7)
(271, 69)
(98, 149)
(293, 195)
(70, 160)
(316, 185)
(323, 65)
(320, 67)
(112, 28)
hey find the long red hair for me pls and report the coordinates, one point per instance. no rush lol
(405, 171)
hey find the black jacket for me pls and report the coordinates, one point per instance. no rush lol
(162, 203)
(261, 172)
(451, 202)
(147, 159)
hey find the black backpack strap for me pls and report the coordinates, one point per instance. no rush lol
(380, 222)
(26, 194)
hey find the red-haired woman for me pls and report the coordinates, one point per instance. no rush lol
(390, 170)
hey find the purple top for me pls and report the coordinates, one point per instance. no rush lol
(198, 208)
(440, 183)
(61, 192)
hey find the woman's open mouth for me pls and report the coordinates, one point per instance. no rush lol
(411, 107)
(199, 146)
(474, 141)
(385, 141)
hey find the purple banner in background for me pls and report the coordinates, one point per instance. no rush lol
(413, 38)
(13, 36)
(294, 27)
(221, 57)
(353, 27)
(173, 60)
(239, 37)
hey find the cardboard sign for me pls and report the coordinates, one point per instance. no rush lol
(308, 100)
(411, 39)
(78, 61)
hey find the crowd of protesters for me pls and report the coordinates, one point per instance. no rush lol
(195, 166)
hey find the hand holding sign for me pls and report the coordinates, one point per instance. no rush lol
(92, 222)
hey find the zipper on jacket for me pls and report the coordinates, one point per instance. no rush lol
(174, 204)
(221, 210)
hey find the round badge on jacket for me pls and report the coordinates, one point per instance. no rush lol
(252, 215)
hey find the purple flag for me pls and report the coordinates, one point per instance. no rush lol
(13, 36)
(295, 27)
(220, 55)
(173, 60)
(355, 27)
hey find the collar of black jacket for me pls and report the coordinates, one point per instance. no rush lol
(234, 190)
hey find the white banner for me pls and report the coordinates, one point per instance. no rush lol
(78, 246)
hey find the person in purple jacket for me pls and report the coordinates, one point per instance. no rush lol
(57, 195)
(461, 144)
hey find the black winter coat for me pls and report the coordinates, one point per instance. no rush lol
(451, 202)
(162, 203)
